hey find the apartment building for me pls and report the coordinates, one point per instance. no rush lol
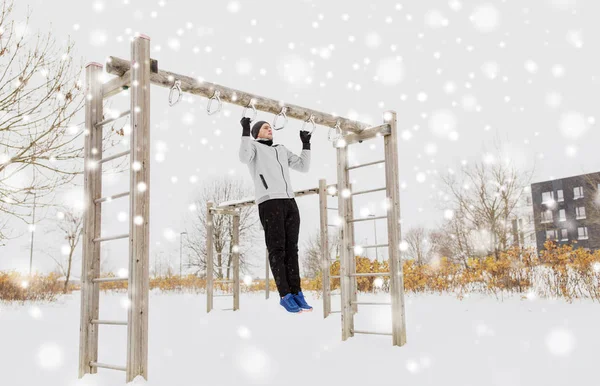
(566, 210)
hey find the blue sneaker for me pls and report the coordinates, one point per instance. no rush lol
(289, 304)
(299, 299)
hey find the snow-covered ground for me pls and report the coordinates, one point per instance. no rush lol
(476, 341)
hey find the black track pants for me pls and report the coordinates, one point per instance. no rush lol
(280, 219)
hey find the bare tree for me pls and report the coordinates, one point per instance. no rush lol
(485, 196)
(40, 94)
(220, 191)
(69, 223)
(421, 246)
(312, 261)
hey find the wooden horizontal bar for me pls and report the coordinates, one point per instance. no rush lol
(366, 218)
(116, 85)
(332, 208)
(333, 225)
(368, 191)
(110, 322)
(372, 332)
(126, 235)
(367, 133)
(363, 165)
(335, 312)
(223, 253)
(111, 120)
(105, 366)
(334, 276)
(370, 246)
(110, 198)
(335, 293)
(109, 279)
(112, 157)
(369, 274)
(221, 295)
(222, 281)
(372, 303)
(118, 66)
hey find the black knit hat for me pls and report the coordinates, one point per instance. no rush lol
(256, 128)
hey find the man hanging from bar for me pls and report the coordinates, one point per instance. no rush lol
(269, 168)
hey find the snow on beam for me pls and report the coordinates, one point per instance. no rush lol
(118, 66)
(369, 133)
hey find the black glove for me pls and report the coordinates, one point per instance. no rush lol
(305, 137)
(245, 126)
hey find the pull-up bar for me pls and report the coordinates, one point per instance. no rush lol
(121, 67)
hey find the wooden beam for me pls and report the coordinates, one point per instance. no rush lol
(139, 219)
(209, 256)
(236, 262)
(394, 234)
(92, 185)
(369, 133)
(116, 85)
(118, 66)
(325, 259)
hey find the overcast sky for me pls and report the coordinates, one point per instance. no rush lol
(461, 75)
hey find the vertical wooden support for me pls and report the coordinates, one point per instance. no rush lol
(267, 278)
(139, 212)
(209, 255)
(345, 280)
(325, 258)
(394, 234)
(236, 262)
(92, 182)
(352, 254)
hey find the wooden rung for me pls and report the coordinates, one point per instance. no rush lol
(223, 253)
(112, 157)
(332, 225)
(116, 85)
(366, 218)
(363, 165)
(223, 281)
(369, 274)
(368, 191)
(110, 198)
(335, 312)
(372, 303)
(111, 120)
(334, 276)
(220, 295)
(109, 279)
(335, 294)
(110, 322)
(332, 208)
(372, 332)
(105, 366)
(126, 235)
(370, 246)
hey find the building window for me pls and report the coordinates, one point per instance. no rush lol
(559, 196)
(564, 235)
(582, 233)
(528, 200)
(551, 234)
(580, 212)
(562, 216)
(578, 192)
(546, 216)
(547, 197)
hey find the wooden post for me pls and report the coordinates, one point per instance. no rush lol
(92, 182)
(267, 271)
(345, 281)
(236, 262)
(352, 254)
(394, 234)
(209, 255)
(325, 258)
(139, 212)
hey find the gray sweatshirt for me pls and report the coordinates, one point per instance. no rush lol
(269, 168)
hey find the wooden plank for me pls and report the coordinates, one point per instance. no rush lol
(344, 237)
(224, 211)
(236, 262)
(352, 255)
(116, 85)
(367, 164)
(209, 256)
(95, 365)
(325, 259)
(139, 212)
(114, 156)
(394, 234)
(92, 182)
(117, 66)
(368, 133)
